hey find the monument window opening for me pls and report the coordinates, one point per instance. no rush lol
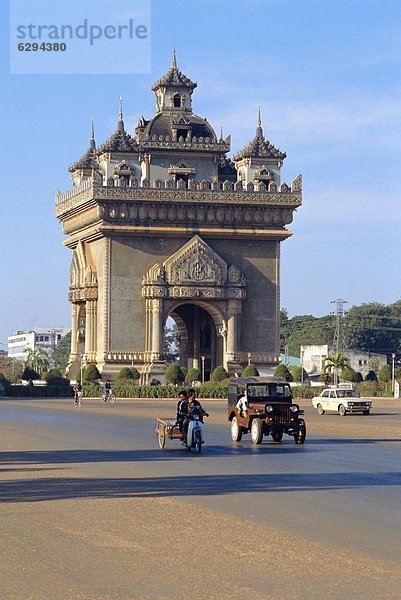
(177, 101)
(183, 178)
(181, 133)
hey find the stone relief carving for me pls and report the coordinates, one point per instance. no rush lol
(196, 263)
(194, 271)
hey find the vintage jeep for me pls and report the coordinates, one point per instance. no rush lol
(270, 410)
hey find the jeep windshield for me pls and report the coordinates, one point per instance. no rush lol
(269, 391)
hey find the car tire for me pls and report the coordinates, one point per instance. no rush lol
(277, 436)
(342, 410)
(366, 412)
(256, 431)
(300, 436)
(320, 409)
(236, 431)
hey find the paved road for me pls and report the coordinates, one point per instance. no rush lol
(90, 508)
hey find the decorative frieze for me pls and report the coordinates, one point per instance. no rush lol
(208, 193)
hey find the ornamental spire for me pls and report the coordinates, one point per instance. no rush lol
(174, 58)
(259, 130)
(92, 144)
(120, 126)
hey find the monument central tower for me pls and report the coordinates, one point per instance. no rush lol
(162, 223)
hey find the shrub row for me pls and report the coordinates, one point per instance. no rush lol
(42, 391)
(304, 392)
(156, 391)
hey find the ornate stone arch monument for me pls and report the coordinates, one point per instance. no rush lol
(162, 223)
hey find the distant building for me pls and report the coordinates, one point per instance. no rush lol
(314, 358)
(290, 361)
(45, 338)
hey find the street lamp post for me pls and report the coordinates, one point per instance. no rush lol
(393, 372)
(203, 368)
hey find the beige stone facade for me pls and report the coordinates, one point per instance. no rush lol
(164, 224)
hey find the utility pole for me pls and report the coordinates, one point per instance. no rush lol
(339, 339)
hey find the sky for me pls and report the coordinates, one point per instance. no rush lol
(327, 76)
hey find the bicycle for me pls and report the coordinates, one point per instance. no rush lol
(109, 396)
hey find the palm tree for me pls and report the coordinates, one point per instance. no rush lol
(37, 360)
(336, 362)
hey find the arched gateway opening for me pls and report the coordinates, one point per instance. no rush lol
(200, 333)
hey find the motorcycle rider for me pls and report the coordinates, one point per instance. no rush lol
(189, 407)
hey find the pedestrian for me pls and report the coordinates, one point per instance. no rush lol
(77, 393)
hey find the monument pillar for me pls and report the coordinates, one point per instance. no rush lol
(74, 329)
(157, 328)
(233, 335)
(90, 329)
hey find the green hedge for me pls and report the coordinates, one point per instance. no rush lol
(156, 391)
(300, 391)
(42, 391)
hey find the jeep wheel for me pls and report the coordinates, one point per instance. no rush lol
(320, 409)
(366, 412)
(256, 431)
(277, 436)
(341, 410)
(236, 431)
(300, 436)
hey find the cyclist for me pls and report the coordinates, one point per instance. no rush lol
(106, 390)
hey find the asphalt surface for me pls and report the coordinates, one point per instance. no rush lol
(91, 508)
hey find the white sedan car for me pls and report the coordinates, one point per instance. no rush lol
(342, 401)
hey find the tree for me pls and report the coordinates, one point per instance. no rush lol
(3, 380)
(374, 327)
(54, 378)
(29, 373)
(11, 368)
(193, 375)
(283, 371)
(299, 375)
(219, 374)
(37, 360)
(62, 352)
(129, 373)
(171, 343)
(336, 363)
(174, 374)
(250, 371)
(91, 373)
(385, 373)
(304, 330)
(348, 374)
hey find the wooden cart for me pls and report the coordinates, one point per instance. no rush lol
(167, 428)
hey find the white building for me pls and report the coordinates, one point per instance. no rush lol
(313, 359)
(45, 338)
